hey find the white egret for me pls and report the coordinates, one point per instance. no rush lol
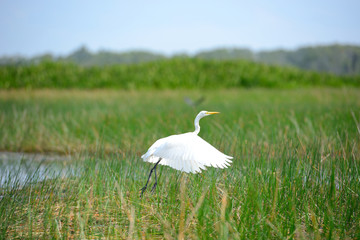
(186, 152)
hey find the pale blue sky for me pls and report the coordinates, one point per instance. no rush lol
(35, 27)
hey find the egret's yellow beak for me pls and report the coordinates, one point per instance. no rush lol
(212, 112)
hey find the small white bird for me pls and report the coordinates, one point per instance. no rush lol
(186, 152)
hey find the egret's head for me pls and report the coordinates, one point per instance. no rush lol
(206, 113)
(198, 117)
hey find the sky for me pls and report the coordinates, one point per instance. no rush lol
(30, 28)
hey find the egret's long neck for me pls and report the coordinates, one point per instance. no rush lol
(197, 125)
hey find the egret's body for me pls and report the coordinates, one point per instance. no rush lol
(185, 152)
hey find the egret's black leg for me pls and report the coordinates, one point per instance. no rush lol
(153, 169)
(154, 186)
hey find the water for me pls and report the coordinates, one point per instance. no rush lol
(18, 169)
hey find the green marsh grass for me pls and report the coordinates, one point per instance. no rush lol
(295, 173)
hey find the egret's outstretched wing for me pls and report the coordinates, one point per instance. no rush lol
(186, 152)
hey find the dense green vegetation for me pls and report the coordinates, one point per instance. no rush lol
(295, 172)
(166, 74)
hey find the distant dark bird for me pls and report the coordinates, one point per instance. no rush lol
(192, 103)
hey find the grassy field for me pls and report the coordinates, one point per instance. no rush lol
(295, 172)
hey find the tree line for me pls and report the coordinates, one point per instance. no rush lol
(336, 59)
